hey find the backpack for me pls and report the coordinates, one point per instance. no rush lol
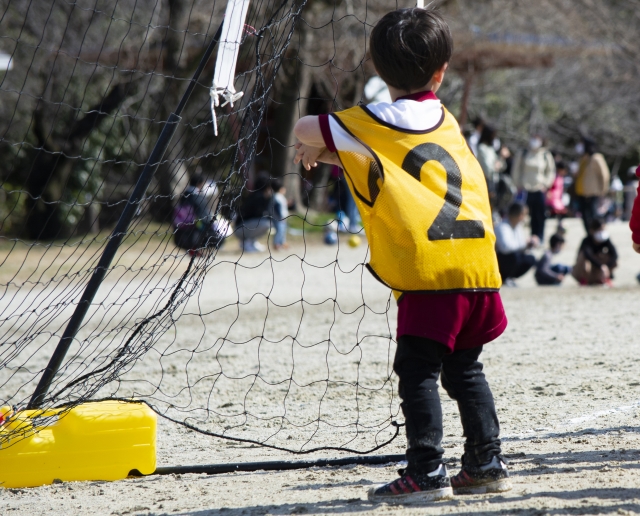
(183, 215)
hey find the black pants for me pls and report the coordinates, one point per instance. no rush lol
(545, 279)
(515, 265)
(537, 208)
(589, 210)
(418, 362)
(189, 237)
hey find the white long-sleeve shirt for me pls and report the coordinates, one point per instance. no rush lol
(510, 239)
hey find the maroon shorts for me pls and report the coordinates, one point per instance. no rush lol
(459, 321)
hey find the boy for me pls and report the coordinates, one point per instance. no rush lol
(546, 273)
(424, 205)
(597, 257)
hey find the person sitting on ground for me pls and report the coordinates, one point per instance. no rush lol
(280, 214)
(597, 257)
(548, 273)
(254, 218)
(512, 244)
(193, 219)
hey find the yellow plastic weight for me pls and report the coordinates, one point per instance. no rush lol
(104, 440)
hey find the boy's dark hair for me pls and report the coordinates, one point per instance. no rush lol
(516, 209)
(276, 185)
(196, 179)
(596, 224)
(556, 240)
(409, 45)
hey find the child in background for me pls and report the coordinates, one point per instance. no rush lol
(424, 205)
(546, 273)
(555, 195)
(280, 214)
(597, 257)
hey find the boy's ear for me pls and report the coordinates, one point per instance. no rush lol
(438, 75)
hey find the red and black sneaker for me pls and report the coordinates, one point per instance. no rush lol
(492, 477)
(414, 488)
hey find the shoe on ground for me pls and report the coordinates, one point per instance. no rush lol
(492, 477)
(250, 246)
(510, 282)
(414, 488)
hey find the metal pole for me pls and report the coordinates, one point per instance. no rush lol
(117, 235)
(215, 469)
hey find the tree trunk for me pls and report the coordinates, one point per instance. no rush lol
(291, 100)
(169, 179)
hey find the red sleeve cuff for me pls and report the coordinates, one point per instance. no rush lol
(638, 171)
(326, 133)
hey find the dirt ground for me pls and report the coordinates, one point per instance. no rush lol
(564, 374)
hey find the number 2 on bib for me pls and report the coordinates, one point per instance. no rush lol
(445, 226)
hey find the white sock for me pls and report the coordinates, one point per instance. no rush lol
(441, 470)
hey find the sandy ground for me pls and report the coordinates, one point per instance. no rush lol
(564, 374)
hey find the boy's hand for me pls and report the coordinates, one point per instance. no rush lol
(329, 157)
(308, 155)
(636, 247)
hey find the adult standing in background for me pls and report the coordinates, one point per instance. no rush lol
(592, 180)
(534, 171)
(474, 137)
(490, 161)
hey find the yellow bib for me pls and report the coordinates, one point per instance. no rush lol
(424, 205)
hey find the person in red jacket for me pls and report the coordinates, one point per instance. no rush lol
(634, 223)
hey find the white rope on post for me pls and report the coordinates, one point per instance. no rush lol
(229, 46)
(420, 4)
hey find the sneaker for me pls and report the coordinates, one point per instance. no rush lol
(492, 477)
(258, 247)
(414, 488)
(250, 246)
(509, 282)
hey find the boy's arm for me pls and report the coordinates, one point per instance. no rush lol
(308, 132)
(310, 147)
(319, 140)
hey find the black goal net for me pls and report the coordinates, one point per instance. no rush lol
(260, 328)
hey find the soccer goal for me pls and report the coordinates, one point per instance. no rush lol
(114, 117)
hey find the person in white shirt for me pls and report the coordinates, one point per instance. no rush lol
(474, 137)
(280, 214)
(512, 244)
(534, 171)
